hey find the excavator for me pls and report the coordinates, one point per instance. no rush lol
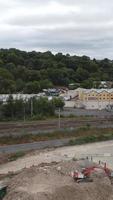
(84, 175)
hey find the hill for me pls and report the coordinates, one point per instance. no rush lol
(30, 72)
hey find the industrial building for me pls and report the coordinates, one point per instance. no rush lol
(96, 98)
(91, 99)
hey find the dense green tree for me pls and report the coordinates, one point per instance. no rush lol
(5, 74)
(19, 70)
(20, 109)
(58, 76)
(44, 84)
(32, 87)
(87, 84)
(58, 103)
(8, 108)
(43, 107)
(81, 74)
(7, 83)
(20, 84)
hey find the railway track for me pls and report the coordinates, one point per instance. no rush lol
(16, 127)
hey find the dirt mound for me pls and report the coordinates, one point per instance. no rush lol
(3, 158)
(48, 182)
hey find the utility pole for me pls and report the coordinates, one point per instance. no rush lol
(31, 107)
(24, 113)
(59, 121)
(24, 116)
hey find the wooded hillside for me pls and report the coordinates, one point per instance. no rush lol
(30, 72)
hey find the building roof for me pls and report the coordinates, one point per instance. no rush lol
(97, 90)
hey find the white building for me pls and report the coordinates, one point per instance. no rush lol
(4, 97)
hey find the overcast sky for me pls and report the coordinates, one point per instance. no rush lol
(81, 27)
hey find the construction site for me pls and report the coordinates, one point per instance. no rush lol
(37, 160)
(63, 173)
(66, 180)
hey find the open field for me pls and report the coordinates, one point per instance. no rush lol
(83, 134)
(35, 127)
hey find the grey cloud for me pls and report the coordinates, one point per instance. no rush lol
(80, 27)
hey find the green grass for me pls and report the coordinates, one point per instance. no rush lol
(83, 135)
(43, 117)
(15, 156)
(58, 134)
(91, 139)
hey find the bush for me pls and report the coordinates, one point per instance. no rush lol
(38, 117)
(91, 139)
(17, 155)
(18, 109)
(58, 103)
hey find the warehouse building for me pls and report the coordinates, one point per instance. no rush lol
(95, 98)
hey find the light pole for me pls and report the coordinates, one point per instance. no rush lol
(24, 117)
(59, 121)
(31, 107)
(24, 113)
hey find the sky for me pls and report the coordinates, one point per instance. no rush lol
(77, 27)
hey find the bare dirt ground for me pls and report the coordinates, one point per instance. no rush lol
(45, 175)
(53, 181)
(98, 151)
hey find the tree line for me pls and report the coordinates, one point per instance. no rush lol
(30, 109)
(31, 72)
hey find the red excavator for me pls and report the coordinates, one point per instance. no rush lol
(84, 175)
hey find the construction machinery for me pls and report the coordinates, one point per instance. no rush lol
(85, 174)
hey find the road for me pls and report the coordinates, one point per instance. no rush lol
(102, 151)
(33, 146)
